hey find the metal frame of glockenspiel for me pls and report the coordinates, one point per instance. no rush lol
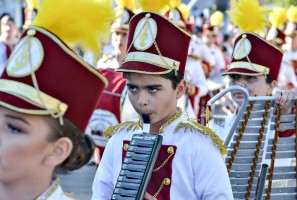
(241, 123)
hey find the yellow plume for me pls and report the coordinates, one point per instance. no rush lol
(216, 18)
(185, 11)
(292, 14)
(32, 4)
(278, 17)
(84, 22)
(129, 4)
(153, 5)
(249, 16)
(175, 3)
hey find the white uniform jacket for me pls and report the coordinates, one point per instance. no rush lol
(195, 171)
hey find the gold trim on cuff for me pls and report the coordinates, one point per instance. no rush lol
(152, 59)
(250, 66)
(32, 96)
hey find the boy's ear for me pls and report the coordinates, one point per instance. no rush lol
(181, 89)
(60, 151)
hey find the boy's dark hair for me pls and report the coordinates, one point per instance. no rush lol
(174, 76)
(269, 79)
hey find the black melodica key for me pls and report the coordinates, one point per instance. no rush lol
(133, 161)
(128, 174)
(140, 150)
(119, 197)
(141, 143)
(136, 168)
(126, 185)
(125, 192)
(129, 180)
(139, 157)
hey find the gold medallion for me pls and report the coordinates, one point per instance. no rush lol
(242, 48)
(145, 33)
(26, 57)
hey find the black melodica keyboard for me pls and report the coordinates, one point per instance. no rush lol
(137, 167)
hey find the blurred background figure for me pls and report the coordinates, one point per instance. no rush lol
(276, 35)
(113, 106)
(30, 12)
(9, 35)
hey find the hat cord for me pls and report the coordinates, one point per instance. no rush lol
(36, 86)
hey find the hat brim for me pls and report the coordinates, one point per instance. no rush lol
(19, 105)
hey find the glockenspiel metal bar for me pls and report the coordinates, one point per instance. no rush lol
(249, 137)
(243, 181)
(283, 118)
(279, 155)
(281, 197)
(246, 145)
(287, 147)
(242, 167)
(245, 152)
(244, 160)
(284, 140)
(284, 126)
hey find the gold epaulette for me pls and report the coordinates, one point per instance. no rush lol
(130, 125)
(192, 125)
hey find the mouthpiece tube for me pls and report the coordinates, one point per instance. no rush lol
(146, 123)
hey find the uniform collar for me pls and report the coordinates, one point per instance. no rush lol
(173, 121)
(52, 192)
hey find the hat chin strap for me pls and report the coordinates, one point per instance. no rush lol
(249, 66)
(152, 59)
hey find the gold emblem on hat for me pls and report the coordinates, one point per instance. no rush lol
(242, 48)
(26, 58)
(145, 33)
(122, 16)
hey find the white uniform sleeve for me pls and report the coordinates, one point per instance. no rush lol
(220, 61)
(103, 181)
(210, 173)
(195, 75)
(207, 55)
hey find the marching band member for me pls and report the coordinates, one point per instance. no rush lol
(47, 95)
(197, 52)
(8, 39)
(113, 107)
(154, 67)
(287, 77)
(209, 36)
(251, 69)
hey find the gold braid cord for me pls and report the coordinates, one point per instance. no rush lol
(192, 125)
(171, 120)
(240, 133)
(277, 124)
(256, 154)
(131, 125)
